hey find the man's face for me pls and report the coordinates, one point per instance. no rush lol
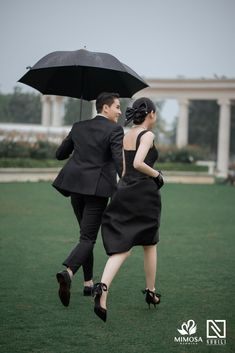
(114, 111)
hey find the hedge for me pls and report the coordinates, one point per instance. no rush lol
(44, 149)
(24, 149)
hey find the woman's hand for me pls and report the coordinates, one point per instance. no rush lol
(159, 180)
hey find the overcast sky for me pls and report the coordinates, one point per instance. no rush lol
(156, 38)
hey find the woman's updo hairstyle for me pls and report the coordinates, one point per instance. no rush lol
(140, 109)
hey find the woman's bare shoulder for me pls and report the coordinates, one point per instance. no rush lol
(148, 136)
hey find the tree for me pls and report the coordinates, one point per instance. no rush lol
(72, 110)
(124, 102)
(19, 107)
(4, 107)
(159, 129)
(203, 124)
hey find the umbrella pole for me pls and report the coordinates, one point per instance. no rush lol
(80, 116)
(82, 80)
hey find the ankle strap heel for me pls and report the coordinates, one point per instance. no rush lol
(151, 297)
(99, 288)
(97, 291)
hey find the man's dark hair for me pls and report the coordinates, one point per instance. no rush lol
(105, 98)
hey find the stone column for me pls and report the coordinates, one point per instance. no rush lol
(182, 126)
(46, 111)
(223, 138)
(57, 111)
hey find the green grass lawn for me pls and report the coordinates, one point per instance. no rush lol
(195, 276)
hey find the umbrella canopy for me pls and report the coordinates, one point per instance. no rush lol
(82, 74)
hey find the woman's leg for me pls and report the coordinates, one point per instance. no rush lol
(111, 268)
(150, 265)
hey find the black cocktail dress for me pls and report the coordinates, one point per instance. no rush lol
(133, 214)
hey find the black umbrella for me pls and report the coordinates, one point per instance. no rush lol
(82, 74)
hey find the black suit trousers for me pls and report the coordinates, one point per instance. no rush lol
(88, 210)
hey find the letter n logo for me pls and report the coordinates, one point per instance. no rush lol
(216, 328)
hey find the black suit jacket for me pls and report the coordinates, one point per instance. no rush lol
(96, 147)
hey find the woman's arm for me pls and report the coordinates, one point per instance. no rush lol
(146, 143)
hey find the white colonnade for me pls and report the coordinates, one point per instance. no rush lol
(184, 90)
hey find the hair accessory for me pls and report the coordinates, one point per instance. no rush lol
(132, 113)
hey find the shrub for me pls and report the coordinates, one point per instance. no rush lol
(23, 149)
(43, 150)
(12, 149)
(188, 154)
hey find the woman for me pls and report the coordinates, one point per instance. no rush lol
(133, 215)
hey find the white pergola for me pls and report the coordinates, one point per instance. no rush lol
(183, 90)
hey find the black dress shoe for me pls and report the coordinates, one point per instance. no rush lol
(64, 281)
(87, 291)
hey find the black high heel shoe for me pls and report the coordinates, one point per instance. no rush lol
(96, 293)
(152, 297)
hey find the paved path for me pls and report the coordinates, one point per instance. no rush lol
(48, 174)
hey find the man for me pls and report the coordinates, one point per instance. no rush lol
(89, 178)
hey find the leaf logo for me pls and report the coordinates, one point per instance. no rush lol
(188, 328)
